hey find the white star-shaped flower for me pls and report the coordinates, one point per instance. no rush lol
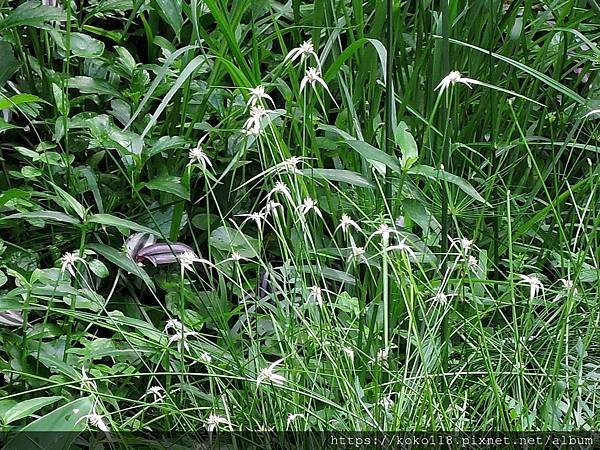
(346, 222)
(198, 156)
(187, 260)
(268, 374)
(316, 293)
(402, 246)
(257, 94)
(312, 77)
(535, 285)
(157, 392)
(303, 51)
(68, 261)
(213, 422)
(309, 205)
(453, 78)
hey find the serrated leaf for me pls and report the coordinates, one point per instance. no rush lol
(88, 85)
(344, 176)
(165, 143)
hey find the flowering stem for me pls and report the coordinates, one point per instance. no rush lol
(386, 306)
(389, 92)
(74, 298)
(445, 147)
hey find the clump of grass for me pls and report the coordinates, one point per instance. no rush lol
(254, 218)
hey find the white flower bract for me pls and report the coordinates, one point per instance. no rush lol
(187, 260)
(535, 285)
(267, 374)
(346, 222)
(257, 94)
(303, 51)
(387, 402)
(452, 78)
(213, 422)
(157, 392)
(198, 156)
(68, 261)
(316, 293)
(309, 205)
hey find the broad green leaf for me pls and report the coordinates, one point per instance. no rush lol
(60, 427)
(113, 221)
(46, 216)
(378, 158)
(345, 176)
(408, 146)
(85, 46)
(107, 135)
(88, 85)
(170, 10)
(442, 175)
(8, 63)
(347, 304)
(70, 200)
(420, 215)
(4, 126)
(32, 14)
(30, 172)
(26, 408)
(98, 268)
(329, 273)
(19, 99)
(231, 240)
(9, 194)
(165, 143)
(60, 100)
(169, 184)
(122, 261)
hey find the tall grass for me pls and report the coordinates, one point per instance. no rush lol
(382, 255)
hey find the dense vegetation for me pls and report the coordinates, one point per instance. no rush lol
(337, 215)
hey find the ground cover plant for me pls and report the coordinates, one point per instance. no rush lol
(329, 215)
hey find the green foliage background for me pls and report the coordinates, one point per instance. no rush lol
(431, 328)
